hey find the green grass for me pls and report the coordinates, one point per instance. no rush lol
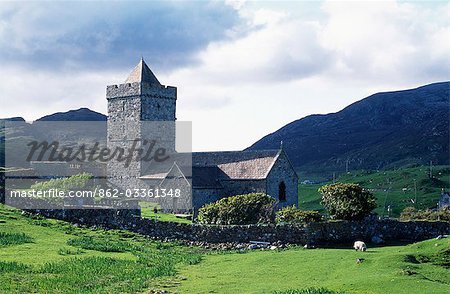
(69, 251)
(12, 266)
(394, 188)
(308, 291)
(100, 244)
(67, 259)
(63, 258)
(385, 270)
(309, 197)
(8, 239)
(147, 212)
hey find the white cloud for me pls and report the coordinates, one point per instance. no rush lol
(386, 41)
(33, 94)
(275, 65)
(284, 68)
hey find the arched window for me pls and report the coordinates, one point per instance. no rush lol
(282, 191)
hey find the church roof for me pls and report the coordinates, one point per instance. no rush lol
(206, 177)
(209, 168)
(142, 74)
(237, 165)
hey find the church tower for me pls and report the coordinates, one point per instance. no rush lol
(139, 109)
(146, 98)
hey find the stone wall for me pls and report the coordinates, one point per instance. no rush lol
(203, 196)
(335, 232)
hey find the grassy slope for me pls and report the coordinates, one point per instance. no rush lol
(51, 265)
(47, 241)
(383, 271)
(387, 187)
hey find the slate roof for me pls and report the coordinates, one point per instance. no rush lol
(142, 74)
(238, 165)
(207, 177)
(210, 168)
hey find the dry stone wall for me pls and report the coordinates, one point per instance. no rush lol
(333, 232)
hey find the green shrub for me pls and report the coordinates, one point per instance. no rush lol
(410, 213)
(347, 201)
(7, 239)
(64, 184)
(241, 209)
(72, 183)
(291, 214)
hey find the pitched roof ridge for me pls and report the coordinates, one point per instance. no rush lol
(239, 151)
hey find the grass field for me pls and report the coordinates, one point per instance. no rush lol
(147, 212)
(47, 256)
(393, 269)
(397, 189)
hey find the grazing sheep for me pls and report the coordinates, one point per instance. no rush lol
(360, 245)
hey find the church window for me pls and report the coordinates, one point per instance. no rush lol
(282, 191)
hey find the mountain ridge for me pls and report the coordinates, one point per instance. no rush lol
(383, 130)
(81, 114)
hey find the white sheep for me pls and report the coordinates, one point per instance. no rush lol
(360, 245)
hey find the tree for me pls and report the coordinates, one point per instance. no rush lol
(347, 201)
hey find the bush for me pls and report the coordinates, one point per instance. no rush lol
(347, 201)
(64, 184)
(72, 183)
(291, 214)
(241, 209)
(410, 213)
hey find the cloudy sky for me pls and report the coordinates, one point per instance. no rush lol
(243, 69)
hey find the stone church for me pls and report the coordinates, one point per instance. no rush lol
(211, 175)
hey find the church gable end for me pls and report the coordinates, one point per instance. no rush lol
(282, 181)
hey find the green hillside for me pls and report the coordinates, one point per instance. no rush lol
(397, 188)
(383, 131)
(48, 256)
(390, 269)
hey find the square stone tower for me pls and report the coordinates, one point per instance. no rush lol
(141, 99)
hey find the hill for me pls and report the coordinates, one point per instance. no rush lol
(17, 118)
(394, 188)
(384, 130)
(82, 114)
